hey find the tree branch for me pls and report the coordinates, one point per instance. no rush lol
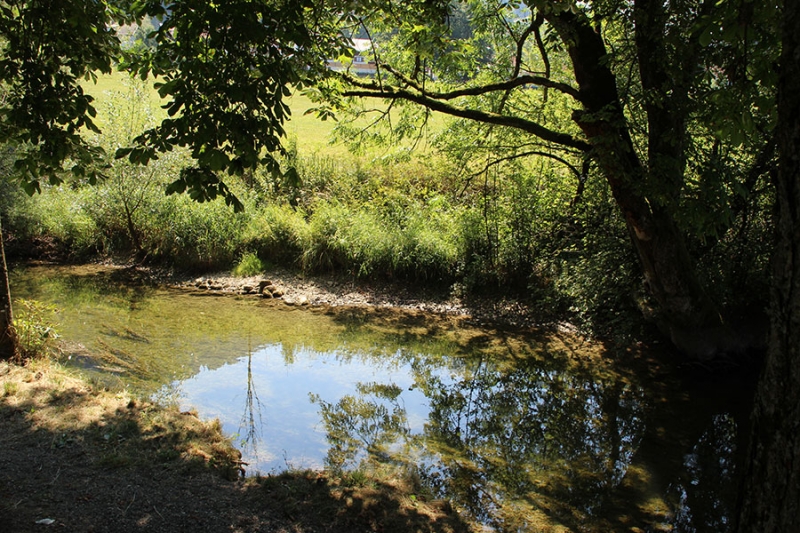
(486, 117)
(512, 83)
(520, 155)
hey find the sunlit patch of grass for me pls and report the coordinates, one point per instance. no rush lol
(10, 388)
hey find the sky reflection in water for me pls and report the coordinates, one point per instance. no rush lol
(278, 411)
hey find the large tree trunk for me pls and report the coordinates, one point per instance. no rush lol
(685, 310)
(6, 316)
(770, 494)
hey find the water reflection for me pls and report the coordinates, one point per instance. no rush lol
(252, 421)
(520, 432)
(363, 426)
(538, 437)
(508, 443)
(707, 486)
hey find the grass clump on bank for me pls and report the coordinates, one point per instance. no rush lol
(249, 265)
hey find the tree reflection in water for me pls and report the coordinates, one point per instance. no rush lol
(708, 482)
(363, 426)
(251, 422)
(517, 445)
(520, 444)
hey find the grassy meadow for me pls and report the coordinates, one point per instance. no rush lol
(312, 136)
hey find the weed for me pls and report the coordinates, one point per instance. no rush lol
(10, 388)
(355, 478)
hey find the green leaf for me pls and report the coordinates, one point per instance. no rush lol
(706, 36)
(176, 187)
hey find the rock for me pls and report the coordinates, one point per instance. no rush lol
(277, 293)
(263, 284)
(266, 294)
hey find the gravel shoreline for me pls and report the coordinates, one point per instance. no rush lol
(335, 291)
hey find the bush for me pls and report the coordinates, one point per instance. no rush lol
(34, 330)
(249, 265)
(61, 213)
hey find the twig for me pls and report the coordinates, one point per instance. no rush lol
(125, 512)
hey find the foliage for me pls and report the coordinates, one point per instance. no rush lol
(47, 48)
(34, 329)
(645, 91)
(503, 196)
(249, 265)
(229, 112)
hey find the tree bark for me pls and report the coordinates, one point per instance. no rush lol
(7, 346)
(685, 310)
(770, 493)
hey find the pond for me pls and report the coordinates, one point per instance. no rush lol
(520, 430)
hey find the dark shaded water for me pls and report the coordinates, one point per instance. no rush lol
(523, 431)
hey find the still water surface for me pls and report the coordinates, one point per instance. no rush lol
(523, 431)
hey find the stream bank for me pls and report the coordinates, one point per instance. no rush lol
(77, 458)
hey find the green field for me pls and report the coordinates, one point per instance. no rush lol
(312, 135)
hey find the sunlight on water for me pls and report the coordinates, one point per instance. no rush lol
(522, 431)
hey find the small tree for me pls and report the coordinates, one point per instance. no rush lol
(6, 311)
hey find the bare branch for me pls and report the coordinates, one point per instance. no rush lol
(534, 26)
(529, 153)
(542, 50)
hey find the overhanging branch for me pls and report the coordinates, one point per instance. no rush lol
(513, 83)
(371, 90)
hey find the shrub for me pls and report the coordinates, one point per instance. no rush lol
(34, 329)
(249, 265)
